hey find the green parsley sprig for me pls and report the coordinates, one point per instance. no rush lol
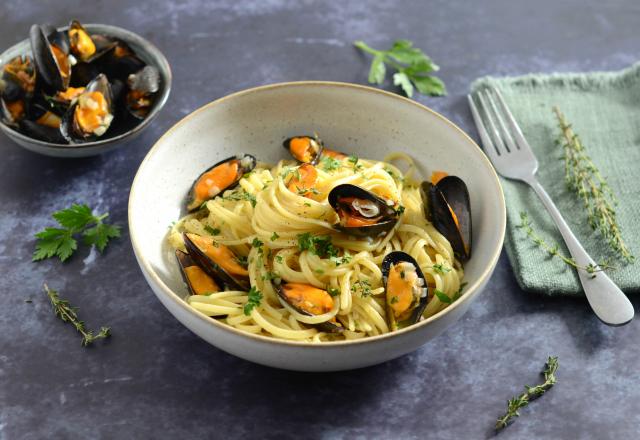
(531, 393)
(78, 219)
(67, 313)
(413, 68)
(255, 297)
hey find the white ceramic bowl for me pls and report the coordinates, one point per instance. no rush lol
(150, 54)
(366, 121)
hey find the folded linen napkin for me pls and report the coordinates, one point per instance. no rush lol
(604, 111)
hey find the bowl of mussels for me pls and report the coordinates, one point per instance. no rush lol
(80, 90)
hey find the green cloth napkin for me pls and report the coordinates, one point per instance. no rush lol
(604, 110)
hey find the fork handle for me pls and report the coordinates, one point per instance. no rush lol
(608, 302)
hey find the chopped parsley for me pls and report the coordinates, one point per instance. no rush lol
(439, 268)
(271, 276)
(320, 245)
(330, 164)
(242, 260)
(279, 258)
(394, 299)
(391, 173)
(354, 161)
(333, 291)
(212, 231)
(307, 204)
(458, 294)
(363, 287)
(443, 297)
(255, 297)
(241, 195)
(344, 259)
(319, 271)
(400, 210)
(256, 243)
(275, 236)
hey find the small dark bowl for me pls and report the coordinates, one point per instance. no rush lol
(143, 49)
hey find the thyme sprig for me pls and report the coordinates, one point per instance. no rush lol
(583, 177)
(67, 313)
(553, 251)
(531, 393)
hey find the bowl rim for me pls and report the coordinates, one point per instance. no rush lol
(170, 294)
(155, 53)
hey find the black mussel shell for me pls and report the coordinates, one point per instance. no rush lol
(10, 91)
(42, 132)
(18, 78)
(246, 163)
(82, 73)
(450, 195)
(101, 44)
(69, 129)
(389, 260)
(388, 215)
(184, 261)
(121, 62)
(8, 115)
(142, 85)
(41, 38)
(214, 270)
(316, 149)
(327, 326)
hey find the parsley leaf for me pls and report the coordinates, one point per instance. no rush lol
(362, 286)
(413, 68)
(212, 231)
(443, 296)
(330, 164)
(439, 268)
(333, 291)
(78, 219)
(255, 297)
(320, 245)
(275, 236)
(241, 195)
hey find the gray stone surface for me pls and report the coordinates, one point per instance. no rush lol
(154, 379)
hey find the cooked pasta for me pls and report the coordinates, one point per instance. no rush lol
(288, 236)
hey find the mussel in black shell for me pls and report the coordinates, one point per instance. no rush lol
(361, 212)
(222, 176)
(305, 149)
(92, 113)
(198, 281)
(448, 207)
(218, 261)
(310, 300)
(86, 47)
(406, 289)
(50, 49)
(17, 84)
(142, 86)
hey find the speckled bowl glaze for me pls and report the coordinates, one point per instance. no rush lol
(368, 122)
(144, 49)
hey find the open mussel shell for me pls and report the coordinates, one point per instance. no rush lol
(73, 130)
(406, 289)
(217, 261)
(361, 212)
(218, 178)
(18, 78)
(304, 149)
(448, 207)
(197, 280)
(142, 86)
(50, 49)
(42, 132)
(86, 47)
(121, 61)
(309, 300)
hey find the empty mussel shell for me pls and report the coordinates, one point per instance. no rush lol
(361, 213)
(218, 261)
(197, 280)
(406, 289)
(91, 115)
(448, 207)
(309, 300)
(303, 148)
(218, 178)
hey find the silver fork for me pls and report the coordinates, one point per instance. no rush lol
(513, 158)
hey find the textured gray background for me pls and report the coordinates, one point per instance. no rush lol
(154, 379)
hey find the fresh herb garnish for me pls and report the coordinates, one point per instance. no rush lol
(212, 231)
(363, 287)
(67, 313)
(553, 251)
(356, 166)
(413, 68)
(279, 258)
(319, 271)
(242, 260)
(531, 393)
(344, 259)
(78, 219)
(256, 243)
(400, 210)
(333, 291)
(320, 245)
(274, 236)
(255, 297)
(330, 164)
(270, 276)
(458, 293)
(394, 299)
(307, 204)
(583, 177)
(241, 195)
(441, 269)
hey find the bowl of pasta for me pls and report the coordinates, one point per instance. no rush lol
(316, 226)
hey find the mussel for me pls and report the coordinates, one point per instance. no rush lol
(361, 212)
(222, 176)
(50, 50)
(142, 86)
(217, 261)
(86, 47)
(198, 282)
(448, 207)
(92, 113)
(309, 300)
(406, 289)
(302, 180)
(17, 85)
(305, 149)
(43, 123)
